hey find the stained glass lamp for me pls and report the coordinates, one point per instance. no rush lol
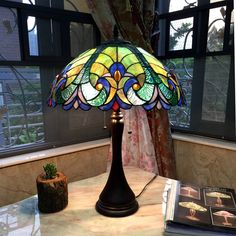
(115, 75)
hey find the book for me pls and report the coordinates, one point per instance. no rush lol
(191, 210)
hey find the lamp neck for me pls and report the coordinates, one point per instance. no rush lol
(115, 32)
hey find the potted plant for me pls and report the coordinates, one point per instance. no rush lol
(52, 190)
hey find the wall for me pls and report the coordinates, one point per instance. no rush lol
(18, 181)
(204, 161)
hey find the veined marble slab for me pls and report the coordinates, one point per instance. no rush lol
(80, 216)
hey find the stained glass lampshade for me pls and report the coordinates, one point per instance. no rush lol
(115, 75)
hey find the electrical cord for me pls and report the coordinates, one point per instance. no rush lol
(145, 187)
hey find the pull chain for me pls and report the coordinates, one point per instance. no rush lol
(129, 120)
(104, 120)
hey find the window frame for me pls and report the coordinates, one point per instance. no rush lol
(64, 17)
(200, 33)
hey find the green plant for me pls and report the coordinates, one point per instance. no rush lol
(29, 137)
(50, 171)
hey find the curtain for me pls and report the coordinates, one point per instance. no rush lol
(149, 146)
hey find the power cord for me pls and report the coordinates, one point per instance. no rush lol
(144, 188)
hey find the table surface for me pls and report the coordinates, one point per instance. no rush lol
(80, 217)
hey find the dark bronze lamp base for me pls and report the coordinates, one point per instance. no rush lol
(117, 211)
(117, 199)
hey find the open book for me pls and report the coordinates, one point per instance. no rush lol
(200, 211)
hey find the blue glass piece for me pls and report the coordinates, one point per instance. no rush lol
(121, 68)
(172, 83)
(149, 106)
(66, 68)
(128, 84)
(105, 83)
(53, 103)
(117, 66)
(84, 106)
(107, 106)
(122, 104)
(68, 106)
(164, 105)
(60, 84)
(180, 102)
(113, 68)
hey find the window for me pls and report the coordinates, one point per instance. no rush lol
(196, 41)
(35, 44)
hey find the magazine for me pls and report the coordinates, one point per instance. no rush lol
(192, 210)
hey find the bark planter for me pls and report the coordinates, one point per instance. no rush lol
(52, 193)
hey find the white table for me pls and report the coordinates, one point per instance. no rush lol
(80, 216)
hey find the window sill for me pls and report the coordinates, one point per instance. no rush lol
(205, 141)
(34, 156)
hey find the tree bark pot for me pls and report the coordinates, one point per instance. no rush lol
(52, 193)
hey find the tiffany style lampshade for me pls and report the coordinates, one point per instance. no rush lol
(115, 75)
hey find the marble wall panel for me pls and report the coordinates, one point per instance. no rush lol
(18, 182)
(205, 165)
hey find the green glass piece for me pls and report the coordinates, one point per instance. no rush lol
(135, 69)
(84, 76)
(104, 59)
(174, 99)
(99, 100)
(110, 51)
(93, 79)
(67, 92)
(157, 79)
(58, 97)
(79, 77)
(149, 77)
(165, 91)
(146, 92)
(129, 59)
(122, 52)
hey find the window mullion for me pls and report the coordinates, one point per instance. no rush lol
(230, 105)
(229, 8)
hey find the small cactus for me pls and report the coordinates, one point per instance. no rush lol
(50, 171)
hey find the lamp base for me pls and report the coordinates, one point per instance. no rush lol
(117, 198)
(117, 211)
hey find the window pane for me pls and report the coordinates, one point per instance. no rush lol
(26, 120)
(182, 4)
(9, 35)
(44, 37)
(73, 126)
(181, 34)
(216, 28)
(212, 1)
(231, 29)
(21, 122)
(183, 68)
(71, 5)
(32, 35)
(82, 37)
(215, 88)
